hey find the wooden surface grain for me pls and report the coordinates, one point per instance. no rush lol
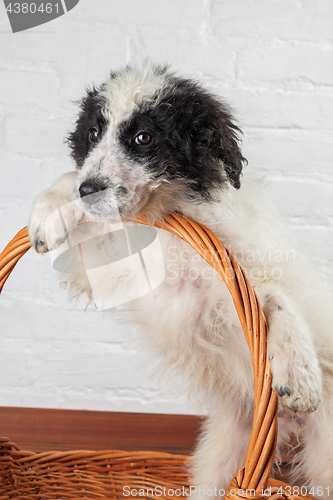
(65, 430)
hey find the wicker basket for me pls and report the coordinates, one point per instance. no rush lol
(83, 474)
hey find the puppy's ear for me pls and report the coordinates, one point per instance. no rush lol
(225, 145)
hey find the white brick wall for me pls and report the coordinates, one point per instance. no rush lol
(273, 61)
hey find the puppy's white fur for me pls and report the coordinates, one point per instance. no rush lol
(190, 319)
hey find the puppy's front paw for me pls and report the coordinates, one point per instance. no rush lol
(296, 381)
(51, 222)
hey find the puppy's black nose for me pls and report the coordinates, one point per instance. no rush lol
(91, 192)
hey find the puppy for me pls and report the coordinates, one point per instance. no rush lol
(149, 142)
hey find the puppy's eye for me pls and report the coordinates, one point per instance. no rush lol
(93, 134)
(143, 139)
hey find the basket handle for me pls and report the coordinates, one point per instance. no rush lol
(19, 245)
(261, 450)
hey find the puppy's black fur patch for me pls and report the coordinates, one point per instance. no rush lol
(193, 132)
(90, 116)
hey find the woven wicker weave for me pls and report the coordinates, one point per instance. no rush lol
(81, 474)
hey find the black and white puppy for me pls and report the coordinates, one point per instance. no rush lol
(149, 142)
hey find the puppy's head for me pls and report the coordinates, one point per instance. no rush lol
(146, 141)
